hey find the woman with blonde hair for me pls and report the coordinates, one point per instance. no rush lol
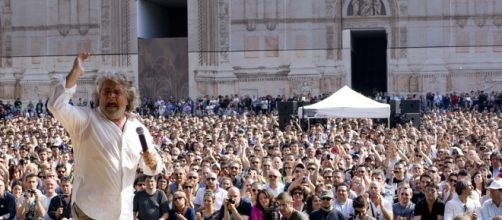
(181, 208)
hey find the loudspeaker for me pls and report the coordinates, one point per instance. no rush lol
(414, 118)
(287, 108)
(286, 112)
(410, 106)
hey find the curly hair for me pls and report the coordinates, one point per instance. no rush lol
(133, 100)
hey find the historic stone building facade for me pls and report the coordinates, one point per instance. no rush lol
(259, 47)
(39, 40)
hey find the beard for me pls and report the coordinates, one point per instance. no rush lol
(113, 113)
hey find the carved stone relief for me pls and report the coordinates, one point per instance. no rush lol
(366, 8)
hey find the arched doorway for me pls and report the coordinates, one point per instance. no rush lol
(371, 34)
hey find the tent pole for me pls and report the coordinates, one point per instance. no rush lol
(388, 122)
(308, 122)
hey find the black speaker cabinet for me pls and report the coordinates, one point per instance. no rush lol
(410, 106)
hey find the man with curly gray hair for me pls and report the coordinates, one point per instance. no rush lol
(107, 150)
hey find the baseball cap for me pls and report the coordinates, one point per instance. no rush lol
(326, 194)
(496, 184)
(456, 151)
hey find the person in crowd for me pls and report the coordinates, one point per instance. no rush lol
(162, 184)
(493, 207)
(7, 203)
(380, 208)
(327, 211)
(209, 212)
(360, 206)
(286, 207)
(150, 203)
(97, 136)
(188, 189)
(139, 183)
(50, 185)
(299, 194)
(432, 207)
(312, 203)
(60, 205)
(181, 209)
(403, 210)
(479, 186)
(274, 182)
(234, 207)
(30, 205)
(226, 183)
(219, 193)
(262, 205)
(255, 188)
(178, 179)
(342, 202)
(17, 191)
(462, 204)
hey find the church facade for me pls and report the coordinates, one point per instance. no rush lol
(40, 39)
(260, 47)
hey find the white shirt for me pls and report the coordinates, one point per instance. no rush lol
(489, 210)
(376, 211)
(346, 208)
(106, 157)
(278, 190)
(455, 207)
(46, 201)
(220, 195)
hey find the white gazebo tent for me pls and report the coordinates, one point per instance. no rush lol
(345, 103)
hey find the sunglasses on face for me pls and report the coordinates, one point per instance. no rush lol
(298, 193)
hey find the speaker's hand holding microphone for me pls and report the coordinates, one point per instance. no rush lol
(148, 156)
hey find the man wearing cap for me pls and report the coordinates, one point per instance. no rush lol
(327, 212)
(492, 207)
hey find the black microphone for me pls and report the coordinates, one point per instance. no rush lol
(142, 139)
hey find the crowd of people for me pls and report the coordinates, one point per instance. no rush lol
(242, 165)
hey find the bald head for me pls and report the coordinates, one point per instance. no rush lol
(234, 194)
